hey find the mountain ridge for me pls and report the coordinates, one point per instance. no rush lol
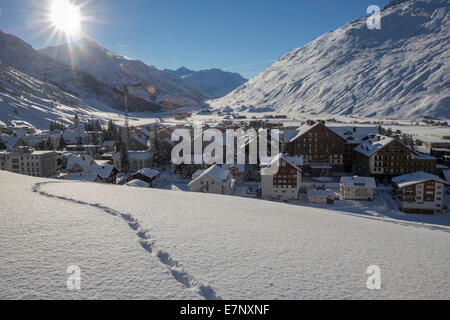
(400, 71)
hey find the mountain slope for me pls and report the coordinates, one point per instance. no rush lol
(35, 88)
(399, 71)
(114, 70)
(214, 83)
(148, 244)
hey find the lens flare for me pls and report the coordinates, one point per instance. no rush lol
(65, 17)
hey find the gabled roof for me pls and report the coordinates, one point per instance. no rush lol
(350, 182)
(103, 171)
(415, 178)
(82, 161)
(217, 173)
(90, 177)
(150, 173)
(373, 145)
(138, 184)
(295, 134)
(355, 134)
(269, 162)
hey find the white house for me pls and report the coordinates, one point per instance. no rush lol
(358, 188)
(420, 192)
(281, 177)
(214, 180)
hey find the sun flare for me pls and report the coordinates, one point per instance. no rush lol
(65, 17)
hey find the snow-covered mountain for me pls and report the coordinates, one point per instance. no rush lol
(214, 83)
(114, 70)
(35, 88)
(400, 71)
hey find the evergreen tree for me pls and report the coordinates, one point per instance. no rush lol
(15, 111)
(49, 144)
(124, 159)
(62, 143)
(95, 139)
(2, 145)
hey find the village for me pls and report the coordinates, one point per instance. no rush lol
(319, 163)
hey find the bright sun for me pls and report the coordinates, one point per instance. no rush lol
(65, 17)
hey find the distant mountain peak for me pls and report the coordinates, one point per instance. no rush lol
(214, 83)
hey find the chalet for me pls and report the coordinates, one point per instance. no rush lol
(321, 149)
(214, 180)
(358, 188)
(385, 157)
(147, 175)
(420, 192)
(78, 163)
(281, 177)
(106, 173)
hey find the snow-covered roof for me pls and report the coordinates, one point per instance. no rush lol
(447, 175)
(295, 134)
(103, 171)
(313, 193)
(146, 132)
(351, 182)
(10, 141)
(138, 184)
(148, 172)
(90, 177)
(268, 162)
(82, 161)
(217, 173)
(355, 134)
(139, 137)
(415, 178)
(198, 173)
(371, 146)
(109, 143)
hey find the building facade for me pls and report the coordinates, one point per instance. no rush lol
(420, 192)
(29, 162)
(321, 149)
(281, 178)
(358, 188)
(385, 157)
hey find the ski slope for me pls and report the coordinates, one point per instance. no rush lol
(157, 244)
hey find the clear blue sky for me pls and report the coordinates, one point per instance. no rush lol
(243, 36)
